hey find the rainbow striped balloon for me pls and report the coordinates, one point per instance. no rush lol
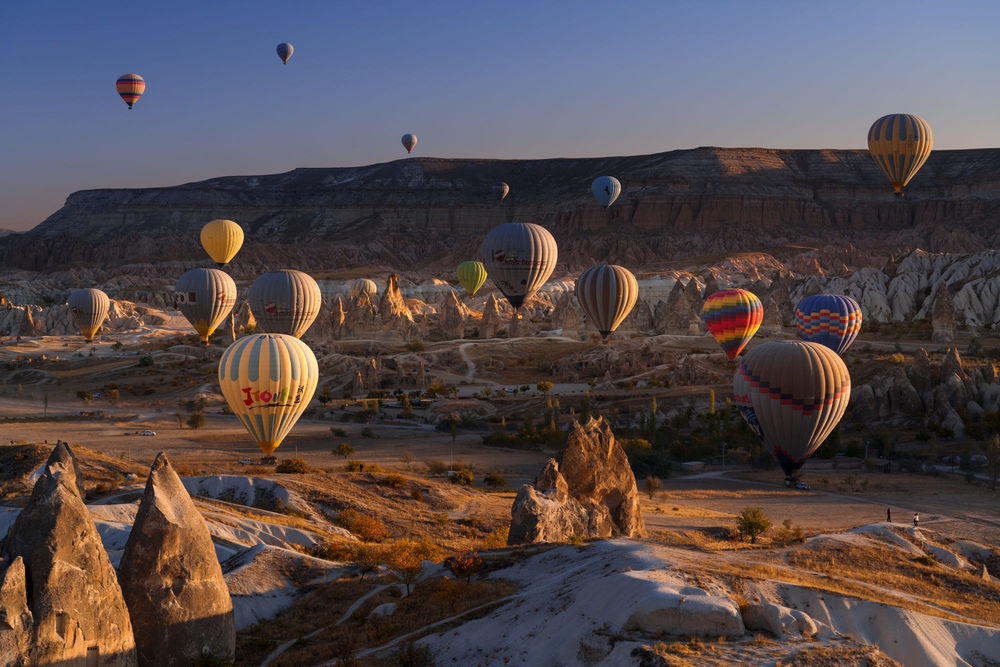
(830, 320)
(130, 87)
(733, 317)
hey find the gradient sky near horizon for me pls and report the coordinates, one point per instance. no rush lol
(516, 79)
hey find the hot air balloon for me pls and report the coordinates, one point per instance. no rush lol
(268, 380)
(607, 293)
(205, 297)
(733, 317)
(130, 87)
(363, 285)
(409, 141)
(471, 275)
(285, 51)
(500, 190)
(830, 320)
(222, 239)
(519, 257)
(606, 190)
(900, 144)
(89, 307)
(794, 393)
(285, 301)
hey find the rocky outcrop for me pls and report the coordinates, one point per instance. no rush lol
(67, 601)
(393, 313)
(567, 315)
(171, 580)
(943, 318)
(492, 320)
(360, 319)
(591, 492)
(451, 318)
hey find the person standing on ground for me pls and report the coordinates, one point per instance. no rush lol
(888, 515)
(916, 520)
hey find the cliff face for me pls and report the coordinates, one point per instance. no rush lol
(422, 213)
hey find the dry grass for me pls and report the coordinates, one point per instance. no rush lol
(839, 656)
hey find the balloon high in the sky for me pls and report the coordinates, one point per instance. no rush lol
(90, 308)
(793, 395)
(471, 275)
(285, 302)
(364, 285)
(519, 257)
(607, 293)
(606, 190)
(222, 239)
(900, 144)
(500, 190)
(733, 317)
(285, 51)
(409, 141)
(205, 297)
(130, 87)
(268, 380)
(830, 320)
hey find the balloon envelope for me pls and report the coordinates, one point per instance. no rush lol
(733, 317)
(607, 293)
(606, 190)
(500, 190)
(268, 380)
(364, 285)
(222, 239)
(205, 297)
(519, 257)
(90, 308)
(471, 275)
(285, 301)
(830, 320)
(130, 87)
(285, 51)
(900, 144)
(796, 392)
(409, 141)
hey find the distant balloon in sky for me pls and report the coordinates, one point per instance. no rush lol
(205, 297)
(792, 394)
(130, 87)
(90, 308)
(409, 141)
(500, 190)
(606, 190)
(222, 239)
(607, 293)
(268, 380)
(285, 301)
(285, 51)
(900, 144)
(364, 285)
(519, 257)
(829, 319)
(471, 275)
(733, 317)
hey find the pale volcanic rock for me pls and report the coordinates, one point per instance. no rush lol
(451, 318)
(15, 616)
(360, 320)
(601, 496)
(492, 320)
(171, 579)
(70, 576)
(772, 323)
(337, 317)
(943, 318)
(568, 316)
(640, 319)
(394, 315)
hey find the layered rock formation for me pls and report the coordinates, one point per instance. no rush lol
(171, 579)
(59, 592)
(33, 320)
(591, 492)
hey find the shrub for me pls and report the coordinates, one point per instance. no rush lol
(406, 559)
(338, 432)
(752, 522)
(441, 519)
(497, 537)
(368, 432)
(394, 480)
(927, 559)
(343, 449)
(146, 361)
(197, 420)
(494, 481)
(416, 346)
(544, 387)
(437, 467)
(653, 484)
(417, 495)
(465, 565)
(364, 527)
(463, 476)
(294, 466)
(354, 466)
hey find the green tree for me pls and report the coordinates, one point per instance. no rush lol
(464, 477)
(406, 559)
(85, 396)
(752, 522)
(113, 395)
(324, 399)
(343, 449)
(196, 420)
(544, 387)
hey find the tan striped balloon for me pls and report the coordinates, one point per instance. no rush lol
(90, 308)
(285, 301)
(607, 293)
(519, 257)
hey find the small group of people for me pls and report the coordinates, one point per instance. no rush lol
(888, 517)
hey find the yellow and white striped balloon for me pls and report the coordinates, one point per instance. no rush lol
(268, 380)
(607, 293)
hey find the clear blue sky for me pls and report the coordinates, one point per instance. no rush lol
(471, 78)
